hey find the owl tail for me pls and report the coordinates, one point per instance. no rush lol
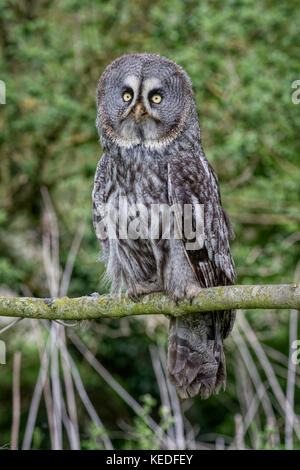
(196, 360)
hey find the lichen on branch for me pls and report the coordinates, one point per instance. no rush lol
(106, 306)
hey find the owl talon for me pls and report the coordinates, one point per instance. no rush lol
(143, 289)
(131, 295)
(95, 295)
(178, 295)
(192, 291)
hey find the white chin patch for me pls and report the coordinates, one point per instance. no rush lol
(150, 144)
(136, 133)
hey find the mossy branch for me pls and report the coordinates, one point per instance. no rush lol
(106, 306)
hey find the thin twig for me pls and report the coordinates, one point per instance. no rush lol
(257, 348)
(82, 392)
(56, 387)
(7, 327)
(239, 432)
(47, 387)
(36, 398)
(112, 382)
(64, 285)
(50, 244)
(182, 443)
(257, 382)
(16, 401)
(70, 395)
(290, 388)
(161, 382)
(291, 378)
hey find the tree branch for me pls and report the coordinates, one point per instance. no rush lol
(106, 306)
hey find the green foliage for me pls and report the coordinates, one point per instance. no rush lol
(143, 437)
(242, 57)
(94, 441)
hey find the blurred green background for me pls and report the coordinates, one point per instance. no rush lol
(242, 57)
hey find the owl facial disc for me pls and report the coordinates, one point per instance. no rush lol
(143, 99)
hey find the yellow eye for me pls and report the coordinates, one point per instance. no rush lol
(156, 98)
(127, 96)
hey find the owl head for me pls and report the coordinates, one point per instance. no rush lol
(143, 99)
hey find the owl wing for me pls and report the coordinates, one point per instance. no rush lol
(99, 198)
(197, 183)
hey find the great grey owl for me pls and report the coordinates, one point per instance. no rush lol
(153, 155)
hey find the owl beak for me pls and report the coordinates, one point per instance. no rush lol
(139, 111)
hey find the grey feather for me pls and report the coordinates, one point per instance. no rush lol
(159, 159)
